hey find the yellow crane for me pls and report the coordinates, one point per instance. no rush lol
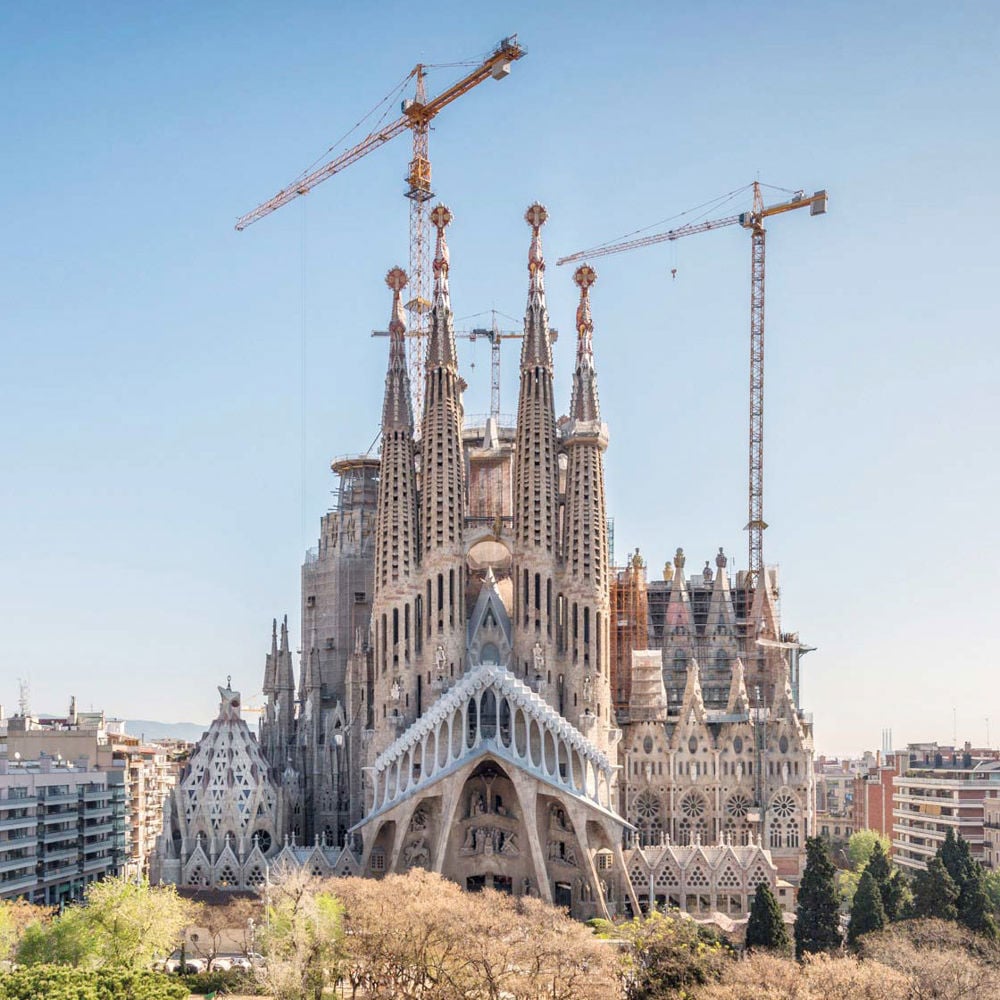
(417, 114)
(753, 221)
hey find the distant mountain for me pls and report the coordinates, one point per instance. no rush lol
(150, 730)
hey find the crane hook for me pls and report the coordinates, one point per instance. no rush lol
(673, 273)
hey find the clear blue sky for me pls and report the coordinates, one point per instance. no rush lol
(172, 391)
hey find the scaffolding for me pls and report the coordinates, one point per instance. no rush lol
(629, 626)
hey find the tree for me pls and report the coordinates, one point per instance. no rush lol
(974, 904)
(935, 894)
(867, 914)
(121, 924)
(302, 943)
(64, 940)
(956, 857)
(942, 959)
(219, 924)
(132, 922)
(991, 885)
(766, 926)
(667, 955)
(889, 881)
(16, 916)
(419, 936)
(765, 976)
(817, 922)
(861, 846)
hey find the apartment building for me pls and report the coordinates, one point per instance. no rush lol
(62, 826)
(936, 789)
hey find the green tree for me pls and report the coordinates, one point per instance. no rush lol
(956, 857)
(889, 881)
(867, 914)
(861, 846)
(991, 884)
(667, 955)
(766, 926)
(817, 922)
(935, 894)
(974, 904)
(65, 940)
(122, 924)
(302, 944)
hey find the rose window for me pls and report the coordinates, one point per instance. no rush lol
(693, 806)
(738, 806)
(647, 808)
(783, 806)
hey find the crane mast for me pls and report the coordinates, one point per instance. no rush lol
(417, 114)
(754, 222)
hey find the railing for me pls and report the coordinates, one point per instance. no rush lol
(15, 824)
(17, 884)
(13, 864)
(12, 803)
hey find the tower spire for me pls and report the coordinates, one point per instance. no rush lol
(397, 411)
(536, 348)
(584, 405)
(441, 350)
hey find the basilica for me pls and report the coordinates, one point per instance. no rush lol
(482, 693)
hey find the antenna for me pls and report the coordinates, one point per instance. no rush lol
(23, 697)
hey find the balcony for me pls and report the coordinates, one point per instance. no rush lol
(19, 823)
(56, 836)
(28, 800)
(98, 864)
(15, 864)
(63, 817)
(62, 799)
(98, 796)
(18, 885)
(98, 829)
(63, 854)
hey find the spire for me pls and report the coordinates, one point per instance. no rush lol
(764, 610)
(397, 410)
(271, 661)
(441, 352)
(679, 605)
(720, 608)
(536, 349)
(739, 703)
(693, 704)
(584, 405)
(284, 677)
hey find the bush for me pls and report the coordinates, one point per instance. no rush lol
(221, 981)
(55, 982)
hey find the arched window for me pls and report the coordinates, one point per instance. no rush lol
(647, 817)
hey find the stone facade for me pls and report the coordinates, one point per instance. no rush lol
(455, 703)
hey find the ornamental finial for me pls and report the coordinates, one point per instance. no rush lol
(396, 279)
(536, 217)
(584, 276)
(441, 218)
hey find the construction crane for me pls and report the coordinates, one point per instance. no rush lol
(495, 336)
(417, 115)
(753, 221)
